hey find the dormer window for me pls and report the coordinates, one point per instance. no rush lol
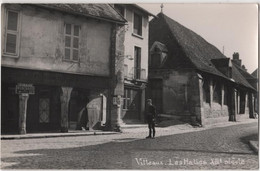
(158, 54)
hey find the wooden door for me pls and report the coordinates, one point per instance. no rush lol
(156, 95)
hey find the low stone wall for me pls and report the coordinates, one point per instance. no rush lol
(215, 110)
(210, 121)
(241, 117)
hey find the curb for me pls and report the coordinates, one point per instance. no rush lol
(28, 136)
(254, 146)
(127, 130)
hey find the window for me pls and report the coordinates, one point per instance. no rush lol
(130, 99)
(127, 98)
(137, 63)
(125, 70)
(12, 33)
(137, 24)
(120, 9)
(72, 33)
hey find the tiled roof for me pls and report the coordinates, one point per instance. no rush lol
(243, 72)
(101, 11)
(255, 73)
(239, 78)
(198, 50)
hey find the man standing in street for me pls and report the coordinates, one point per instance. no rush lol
(150, 116)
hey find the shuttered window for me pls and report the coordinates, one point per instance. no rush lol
(72, 33)
(12, 33)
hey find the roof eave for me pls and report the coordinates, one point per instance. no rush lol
(228, 79)
(144, 10)
(81, 14)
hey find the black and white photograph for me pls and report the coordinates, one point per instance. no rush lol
(129, 86)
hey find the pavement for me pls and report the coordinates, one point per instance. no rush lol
(254, 145)
(221, 146)
(168, 127)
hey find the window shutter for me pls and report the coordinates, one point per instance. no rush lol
(11, 33)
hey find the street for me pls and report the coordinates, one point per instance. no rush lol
(216, 148)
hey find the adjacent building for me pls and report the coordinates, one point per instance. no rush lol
(60, 65)
(192, 80)
(135, 62)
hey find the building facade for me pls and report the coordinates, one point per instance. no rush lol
(59, 66)
(191, 80)
(135, 62)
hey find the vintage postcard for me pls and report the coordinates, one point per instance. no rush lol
(134, 86)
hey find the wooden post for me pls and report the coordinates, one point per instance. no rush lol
(64, 99)
(23, 98)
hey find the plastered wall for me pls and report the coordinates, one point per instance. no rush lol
(42, 42)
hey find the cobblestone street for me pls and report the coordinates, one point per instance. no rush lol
(216, 148)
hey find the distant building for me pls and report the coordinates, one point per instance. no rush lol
(59, 67)
(135, 61)
(255, 79)
(192, 80)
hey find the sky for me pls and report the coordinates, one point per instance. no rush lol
(232, 26)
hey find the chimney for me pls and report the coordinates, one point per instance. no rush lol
(236, 58)
(244, 68)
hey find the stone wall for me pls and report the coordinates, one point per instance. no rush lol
(176, 93)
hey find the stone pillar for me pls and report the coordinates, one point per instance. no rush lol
(201, 107)
(116, 120)
(23, 98)
(233, 104)
(246, 102)
(117, 70)
(238, 102)
(64, 99)
(222, 94)
(251, 105)
(143, 101)
(211, 91)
